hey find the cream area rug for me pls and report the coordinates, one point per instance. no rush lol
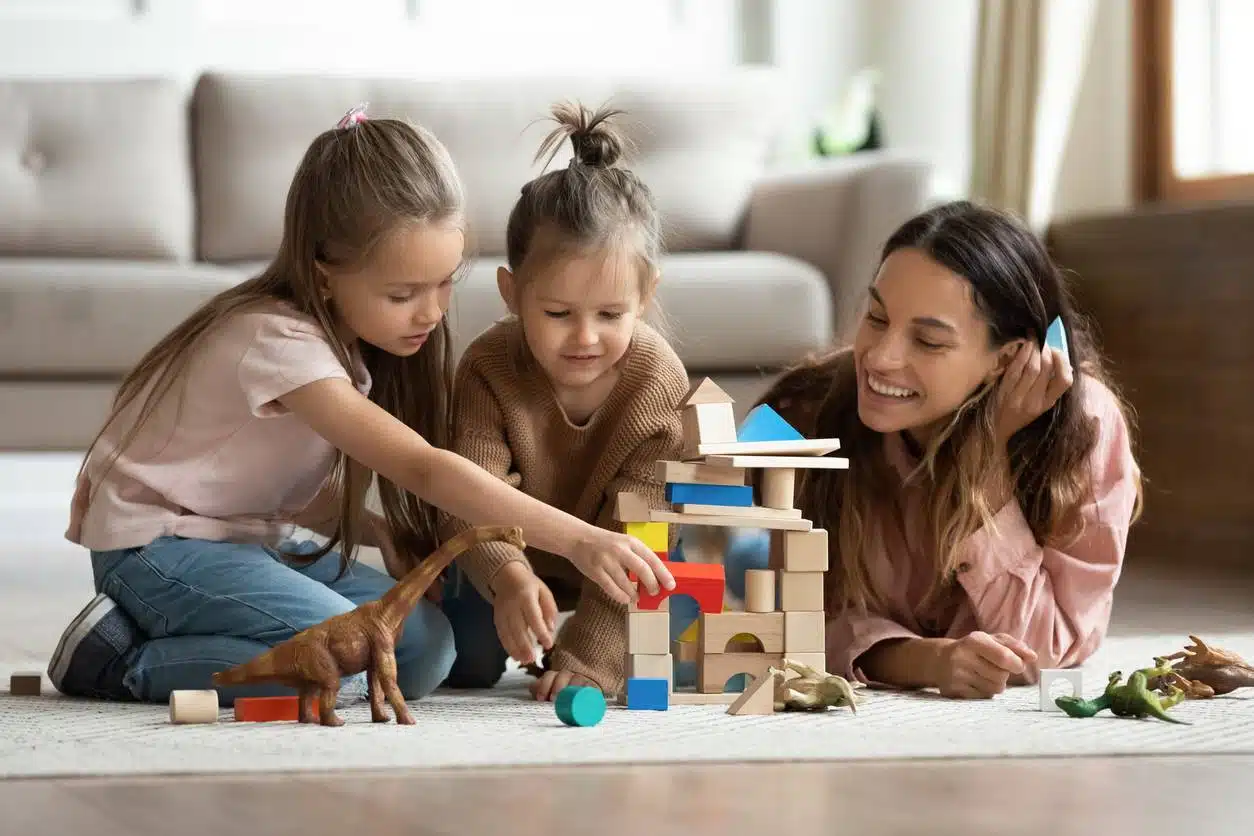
(57, 736)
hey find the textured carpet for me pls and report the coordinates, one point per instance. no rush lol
(54, 735)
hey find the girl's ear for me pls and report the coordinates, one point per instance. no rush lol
(508, 288)
(322, 276)
(1005, 356)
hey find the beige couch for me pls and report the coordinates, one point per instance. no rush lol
(125, 203)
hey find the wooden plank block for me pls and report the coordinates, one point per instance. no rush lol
(765, 462)
(738, 521)
(800, 551)
(804, 632)
(698, 473)
(758, 698)
(801, 591)
(809, 447)
(269, 709)
(648, 632)
(737, 495)
(26, 683)
(697, 698)
(733, 511)
(717, 629)
(657, 536)
(714, 669)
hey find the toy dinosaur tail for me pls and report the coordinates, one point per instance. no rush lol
(1155, 710)
(258, 669)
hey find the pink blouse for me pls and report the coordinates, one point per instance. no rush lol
(1056, 600)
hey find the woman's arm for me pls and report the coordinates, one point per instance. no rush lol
(370, 435)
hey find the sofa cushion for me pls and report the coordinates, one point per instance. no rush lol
(698, 143)
(95, 169)
(732, 310)
(84, 317)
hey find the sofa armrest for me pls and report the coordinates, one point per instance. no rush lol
(836, 215)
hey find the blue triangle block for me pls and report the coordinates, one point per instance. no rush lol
(765, 424)
(1056, 338)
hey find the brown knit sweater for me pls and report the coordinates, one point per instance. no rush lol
(507, 420)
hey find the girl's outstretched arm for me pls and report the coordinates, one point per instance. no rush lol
(363, 430)
(1057, 600)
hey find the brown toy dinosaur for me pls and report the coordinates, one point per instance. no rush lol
(1209, 668)
(363, 639)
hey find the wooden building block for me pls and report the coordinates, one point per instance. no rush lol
(809, 447)
(740, 496)
(652, 666)
(717, 629)
(648, 633)
(714, 669)
(269, 709)
(707, 423)
(705, 390)
(805, 632)
(734, 510)
(631, 507)
(759, 590)
(765, 424)
(658, 606)
(823, 462)
(746, 520)
(684, 651)
(648, 694)
(580, 705)
(801, 591)
(657, 536)
(194, 707)
(698, 698)
(704, 582)
(800, 551)
(818, 661)
(778, 487)
(696, 473)
(757, 699)
(26, 683)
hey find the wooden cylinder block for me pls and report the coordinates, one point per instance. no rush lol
(777, 487)
(194, 707)
(759, 590)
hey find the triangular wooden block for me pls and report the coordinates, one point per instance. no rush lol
(765, 424)
(706, 391)
(758, 698)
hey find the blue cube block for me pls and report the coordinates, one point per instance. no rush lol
(647, 694)
(683, 493)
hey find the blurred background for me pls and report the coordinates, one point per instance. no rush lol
(146, 145)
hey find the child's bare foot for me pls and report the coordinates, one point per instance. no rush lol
(551, 683)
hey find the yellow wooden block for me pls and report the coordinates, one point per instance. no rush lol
(655, 535)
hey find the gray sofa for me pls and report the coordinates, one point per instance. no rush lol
(125, 203)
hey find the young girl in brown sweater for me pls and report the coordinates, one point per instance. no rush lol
(572, 398)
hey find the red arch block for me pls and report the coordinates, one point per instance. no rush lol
(703, 581)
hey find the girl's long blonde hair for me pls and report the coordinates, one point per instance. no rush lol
(356, 184)
(1019, 291)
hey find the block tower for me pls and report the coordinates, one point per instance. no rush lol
(710, 486)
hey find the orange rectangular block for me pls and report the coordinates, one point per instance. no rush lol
(269, 709)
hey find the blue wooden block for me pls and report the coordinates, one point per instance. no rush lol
(683, 493)
(765, 424)
(1056, 338)
(578, 705)
(647, 694)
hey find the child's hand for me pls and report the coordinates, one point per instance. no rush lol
(1031, 384)
(978, 665)
(606, 558)
(524, 607)
(551, 683)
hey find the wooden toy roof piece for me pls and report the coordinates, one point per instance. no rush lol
(765, 424)
(706, 391)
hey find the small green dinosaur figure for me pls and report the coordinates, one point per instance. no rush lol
(1131, 699)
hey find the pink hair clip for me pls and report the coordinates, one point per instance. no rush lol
(354, 116)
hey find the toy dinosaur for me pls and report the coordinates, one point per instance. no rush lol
(362, 639)
(1222, 671)
(1131, 699)
(812, 690)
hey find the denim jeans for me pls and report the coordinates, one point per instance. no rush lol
(481, 658)
(206, 605)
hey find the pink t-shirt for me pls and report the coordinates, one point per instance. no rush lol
(219, 458)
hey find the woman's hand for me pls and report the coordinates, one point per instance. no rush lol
(979, 665)
(523, 608)
(1031, 384)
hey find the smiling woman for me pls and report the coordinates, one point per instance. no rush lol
(980, 532)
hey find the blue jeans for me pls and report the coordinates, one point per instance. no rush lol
(207, 605)
(481, 658)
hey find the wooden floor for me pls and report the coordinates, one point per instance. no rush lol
(43, 581)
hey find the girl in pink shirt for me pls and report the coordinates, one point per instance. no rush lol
(275, 405)
(978, 535)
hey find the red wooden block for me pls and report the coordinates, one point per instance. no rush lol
(703, 581)
(269, 709)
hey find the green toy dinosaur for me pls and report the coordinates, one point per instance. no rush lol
(1131, 699)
